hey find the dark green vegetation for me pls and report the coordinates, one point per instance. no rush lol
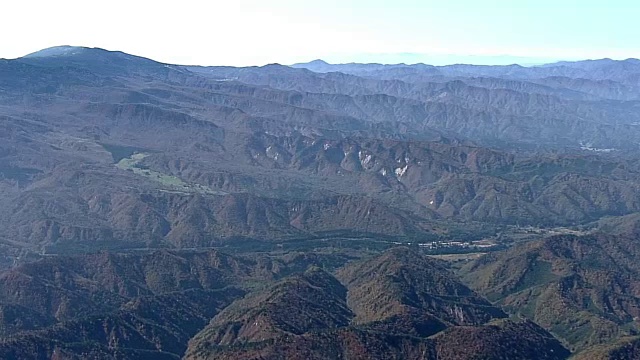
(152, 211)
(208, 305)
(625, 348)
(582, 289)
(115, 303)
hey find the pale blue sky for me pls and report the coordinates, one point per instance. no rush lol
(256, 32)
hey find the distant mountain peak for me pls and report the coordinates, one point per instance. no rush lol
(317, 65)
(318, 62)
(63, 50)
(97, 60)
(273, 65)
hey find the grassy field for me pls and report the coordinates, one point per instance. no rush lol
(132, 163)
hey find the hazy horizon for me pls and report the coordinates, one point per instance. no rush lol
(387, 59)
(250, 32)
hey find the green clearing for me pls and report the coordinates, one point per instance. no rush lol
(133, 164)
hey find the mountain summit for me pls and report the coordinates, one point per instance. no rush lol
(64, 50)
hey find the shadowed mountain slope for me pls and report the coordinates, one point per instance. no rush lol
(384, 314)
(402, 291)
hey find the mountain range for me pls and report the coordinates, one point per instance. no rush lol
(152, 210)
